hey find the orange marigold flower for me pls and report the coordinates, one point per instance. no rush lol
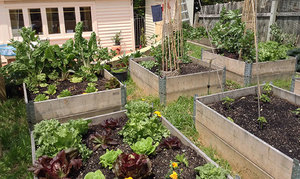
(174, 165)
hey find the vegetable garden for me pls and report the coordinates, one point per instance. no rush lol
(200, 104)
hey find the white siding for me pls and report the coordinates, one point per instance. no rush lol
(114, 16)
(150, 25)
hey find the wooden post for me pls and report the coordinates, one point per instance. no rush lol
(272, 17)
(2, 85)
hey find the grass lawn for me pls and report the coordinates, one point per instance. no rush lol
(15, 140)
(194, 50)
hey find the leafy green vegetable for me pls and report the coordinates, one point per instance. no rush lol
(182, 159)
(51, 90)
(75, 79)
(272, 51)
(64, 93)
(53, 75)
(109, 158)
(91, 88)
(141, 126)
(138, 107)
(112, 83)
(51, 137)
(43, 85)
(209, 171)
(149, 64)
(144, 146)
(41, 97)
(94, 175)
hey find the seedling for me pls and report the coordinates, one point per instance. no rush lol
(261, 120)
(64, 93)
(182, 159)
(51, 90)
(268, 89)
(91, 88)
(297, 112)
(41, 97)
(230, 119)
(227, 101)
(264, 98)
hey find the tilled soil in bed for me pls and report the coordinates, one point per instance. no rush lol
(185, 68)
(74, 88)
(282, 129)
(160, 160)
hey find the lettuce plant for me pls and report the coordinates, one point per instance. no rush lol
(94, 175)
(75, 79)
(111, 123)
(51, 137)
(64, 93)
(102, 140)
(91, 88)
(144, 146)
(109, 158)
(170, 143)
(51, 90)
(138, 107)
(132, 165)
(41, 97)
(58, 167)
(209, 171)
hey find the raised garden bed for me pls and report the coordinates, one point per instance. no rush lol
(270, 152)
(160, 159)
(191, 81)
(245, 73)
(295, 86)
(79, 105)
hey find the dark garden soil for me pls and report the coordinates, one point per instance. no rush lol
(74, 88)
(282, 129)
(160, 160)
(228, 54)
(185, 68)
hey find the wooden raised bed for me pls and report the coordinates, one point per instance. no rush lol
(245, 73)
(295, 86)
(77, 106)
(96, 120)
(170, 88)
(247, 153)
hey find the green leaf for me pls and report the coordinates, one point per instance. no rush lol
(109, 158)
(94, 175)
(144, 146)
(41, 97)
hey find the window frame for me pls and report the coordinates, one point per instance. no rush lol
(42, 6)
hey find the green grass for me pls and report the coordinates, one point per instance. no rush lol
(15, 140)
(194, 50)
(284, 84)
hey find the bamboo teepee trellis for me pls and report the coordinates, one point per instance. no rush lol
(172, 37)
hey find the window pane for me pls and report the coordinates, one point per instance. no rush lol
(53, 20)
(86, 18)
(17, 21)
(36, 20)
(70, 19)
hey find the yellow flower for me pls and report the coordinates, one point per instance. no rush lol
(128, 178)
(174, 165)
(174, 175)
(84, 93)
(157, 113)
(143, 99)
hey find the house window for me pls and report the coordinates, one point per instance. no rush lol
(36, 20)
(53, 20)
(70, 19)
(17, 21)
(86, 18)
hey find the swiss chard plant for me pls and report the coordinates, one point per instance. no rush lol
(31, 64)
(58, 167)
(109, 158)
(51, 137)
(132, 165)
(144, 146)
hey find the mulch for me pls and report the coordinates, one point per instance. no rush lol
(282, 129)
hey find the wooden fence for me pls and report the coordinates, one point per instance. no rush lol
(286, 15)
